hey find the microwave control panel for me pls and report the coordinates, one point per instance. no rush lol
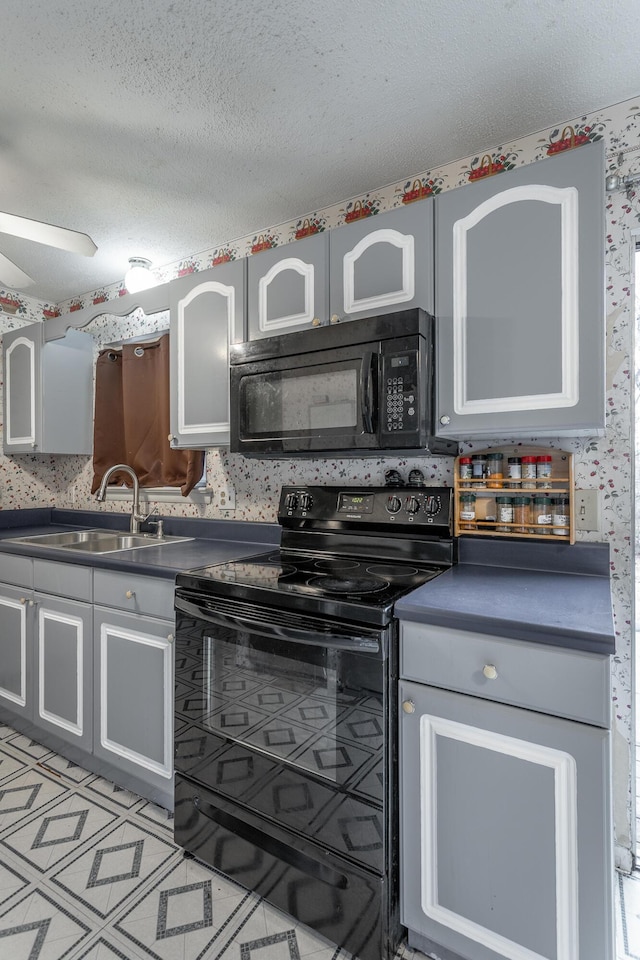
(400, 398)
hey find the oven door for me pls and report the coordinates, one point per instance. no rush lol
(288, 716)
(308, 403)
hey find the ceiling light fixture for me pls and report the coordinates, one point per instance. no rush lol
(139, 277)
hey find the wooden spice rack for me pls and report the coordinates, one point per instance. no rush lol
(486, 490)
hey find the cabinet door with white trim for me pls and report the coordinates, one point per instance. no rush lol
(16, 617)
(207, 313)
(520, 301)
(383, 264)
(133, 699)
(506, 830)
(63, 669)
(287, 287)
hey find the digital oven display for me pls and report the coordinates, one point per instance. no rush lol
(355, 503)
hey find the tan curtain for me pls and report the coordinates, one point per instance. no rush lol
(131, 422)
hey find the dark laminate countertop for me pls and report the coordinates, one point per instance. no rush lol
(540, 592)
(214, 541)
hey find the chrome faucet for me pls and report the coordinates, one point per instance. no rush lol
(136, 517)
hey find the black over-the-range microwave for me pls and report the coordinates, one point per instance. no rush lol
(355, 388)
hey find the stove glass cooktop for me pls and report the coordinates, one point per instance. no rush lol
(341, 578)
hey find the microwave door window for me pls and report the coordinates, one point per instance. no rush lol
(285, 404)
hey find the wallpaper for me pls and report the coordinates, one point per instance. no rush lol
(604, 463)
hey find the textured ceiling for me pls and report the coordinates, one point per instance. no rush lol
(164, 127)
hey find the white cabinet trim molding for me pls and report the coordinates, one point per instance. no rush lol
(567, 199)
(163, 644)
(210, 286)
(75, 622)
(19, 698)
(10, 439)
(406, 243)
(306, 271)
(565, 798)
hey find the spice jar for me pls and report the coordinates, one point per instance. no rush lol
(560, 514)
(541, 512)
(529, 472)
(504, 513)
(521, 513)
(543, 471)
(494, 469)
(479, 469)
(466, 470)
(467, 511)
(514, 472)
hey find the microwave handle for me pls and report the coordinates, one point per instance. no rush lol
(366, 390)
(293, 634)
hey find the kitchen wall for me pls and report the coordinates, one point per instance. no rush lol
(604, 463)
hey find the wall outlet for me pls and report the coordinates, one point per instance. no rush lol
(226, 497)
(587, 509)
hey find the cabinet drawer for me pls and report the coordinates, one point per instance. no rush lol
(564, 683)
(62, 579)
(16, 570)
(128, 591)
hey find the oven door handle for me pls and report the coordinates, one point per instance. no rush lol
(366, 390)
(265, 629)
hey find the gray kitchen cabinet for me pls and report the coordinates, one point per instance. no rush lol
(16, 618)
(207, 312)
(520, 301)
(288, 287)
(384, 263)
(506, 833)
(48, 392)
(378, 265)
(133, 689)
(63, 669)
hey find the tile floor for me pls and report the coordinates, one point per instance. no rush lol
(89, 871)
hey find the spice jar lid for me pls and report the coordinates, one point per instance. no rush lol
(468, 497)
(529, 459)
(464, 460)
(521, 501)
(542, 499)
(560, 501)
(495, 456)
(480, 456)
(504, 499)
(514, 460)
(544, 459)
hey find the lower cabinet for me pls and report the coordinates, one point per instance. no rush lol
(505, 818)
(16, 615)
(63, 669)
(133, 697)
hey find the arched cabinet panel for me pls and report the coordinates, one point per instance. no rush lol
(520, 301)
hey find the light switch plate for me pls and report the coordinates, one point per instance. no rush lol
(587, 510)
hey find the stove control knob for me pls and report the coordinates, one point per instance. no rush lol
(393, 504)
(291, 501)
(306, 501)
(432, 505)
(413, 505)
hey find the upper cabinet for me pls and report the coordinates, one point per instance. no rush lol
(48, 392)
(288, 287)
(378, 265)
(207, 313)
(383, 264)
(520, 301)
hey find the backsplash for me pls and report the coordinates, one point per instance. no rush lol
(603, 463)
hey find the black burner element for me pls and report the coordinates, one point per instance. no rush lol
(348, 584)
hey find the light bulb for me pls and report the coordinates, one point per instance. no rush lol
(139, 277)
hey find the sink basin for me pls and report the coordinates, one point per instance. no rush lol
(97, 541)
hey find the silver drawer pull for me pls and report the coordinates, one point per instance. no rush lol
(130, 594)
(490, 671)
(23, 601)
(408, 706)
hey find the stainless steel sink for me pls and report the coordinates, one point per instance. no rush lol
(97, 541)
